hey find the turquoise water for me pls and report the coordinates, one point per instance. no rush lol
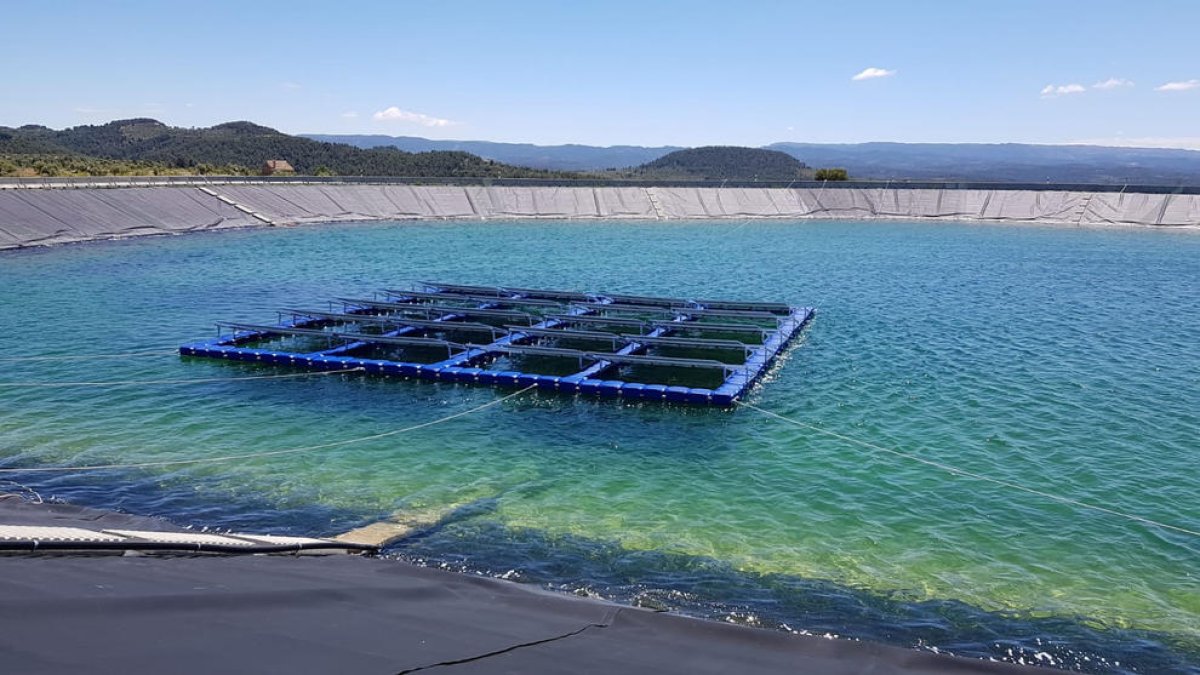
(1063, 359)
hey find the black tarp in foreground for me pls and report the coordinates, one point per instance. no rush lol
(340, 613)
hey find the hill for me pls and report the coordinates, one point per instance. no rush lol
(718, 162)
(555, 157)
(239, 147)
(1003, 162)
(147, 146)
(881, 161)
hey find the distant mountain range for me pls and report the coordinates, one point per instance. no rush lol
(232, 147)
(1003, 162)
(140, 146)
(555, 157)
(882, 161)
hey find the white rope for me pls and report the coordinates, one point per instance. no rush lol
(88, 357)
(739, 227)
(969, 474)
(192, 380)
(26, 489)
(269, 453)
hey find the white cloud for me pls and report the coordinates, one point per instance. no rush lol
(1113, 83)
(1179, 86)
(872, 73)
(1052, 90)
(394, 114)
(349, 115)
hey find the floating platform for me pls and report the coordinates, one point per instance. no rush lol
(706, 352)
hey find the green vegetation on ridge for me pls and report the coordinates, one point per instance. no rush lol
(831, 174)
(718, 162)
(67, 165)
(1001, 162)
(149, 146)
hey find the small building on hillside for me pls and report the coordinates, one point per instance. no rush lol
(277, 167)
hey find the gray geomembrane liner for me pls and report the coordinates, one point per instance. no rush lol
(30, 217)
(38, 217)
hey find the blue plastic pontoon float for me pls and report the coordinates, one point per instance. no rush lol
(706, 352)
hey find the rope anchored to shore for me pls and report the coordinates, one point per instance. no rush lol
(269, 453)
(191, 380)
(976, 476)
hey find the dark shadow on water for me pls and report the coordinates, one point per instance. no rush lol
(468, 541)
(568, 423)
(199, 504)
(712, 589)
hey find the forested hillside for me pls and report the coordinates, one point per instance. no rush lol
(719, 162)
(233, 147)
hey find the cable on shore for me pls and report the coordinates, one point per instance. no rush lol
(977, 476)
(268, 453)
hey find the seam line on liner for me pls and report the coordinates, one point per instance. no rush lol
(268, 453)
(970, 474)
(193, 380)
(605, 623)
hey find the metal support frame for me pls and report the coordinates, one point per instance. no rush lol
(406, 317)
(346, 337)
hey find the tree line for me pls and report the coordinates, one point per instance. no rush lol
(236, 148)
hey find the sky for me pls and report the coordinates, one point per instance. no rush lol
(617, 72)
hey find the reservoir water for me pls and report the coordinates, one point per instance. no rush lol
(1061, 359)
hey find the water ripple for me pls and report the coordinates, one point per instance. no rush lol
(1063, 360)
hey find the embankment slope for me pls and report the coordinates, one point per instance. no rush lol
(31, 216)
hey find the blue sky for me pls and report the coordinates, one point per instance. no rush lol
(616, 72)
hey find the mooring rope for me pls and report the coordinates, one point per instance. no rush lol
(26, 489)
(268, 453)
(190, 380)
(739, 226)
(89, 357)
(977, 476)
